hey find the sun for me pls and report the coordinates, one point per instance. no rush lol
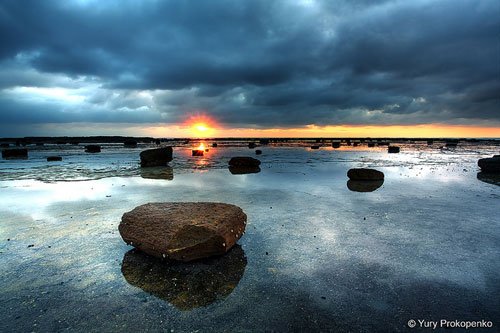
(201, 127)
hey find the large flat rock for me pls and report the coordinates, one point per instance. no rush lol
(183, 231)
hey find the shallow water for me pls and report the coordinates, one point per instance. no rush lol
(316, 255)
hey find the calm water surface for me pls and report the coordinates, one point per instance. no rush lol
(316, 255)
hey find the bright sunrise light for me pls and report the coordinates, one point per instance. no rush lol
(201, 126)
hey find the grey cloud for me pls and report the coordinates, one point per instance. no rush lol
(257, 63)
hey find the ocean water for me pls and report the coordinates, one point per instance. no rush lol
(317, 254)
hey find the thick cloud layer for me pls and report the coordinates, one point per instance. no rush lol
(250, 64)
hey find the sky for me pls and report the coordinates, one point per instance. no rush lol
(250, 68)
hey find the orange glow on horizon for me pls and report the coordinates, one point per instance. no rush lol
(201, 126)
(360, 131)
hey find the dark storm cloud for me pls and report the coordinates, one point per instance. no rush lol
(254, 63)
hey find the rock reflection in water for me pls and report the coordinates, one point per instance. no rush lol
(186, 285)
(163, 172)
(242, 170)
(490, 178)
(364, 185)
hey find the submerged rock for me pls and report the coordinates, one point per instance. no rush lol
(54, 158)
(243, 161)
(15, 153)
(336, 144)
(92, 149)
(364, 185)
(258, 152)
(365, 174)
(251, 145)
(183, 231)
(315, 147)
(161, 172)
(490, 165)
(393, 149)
(371, 144)
(186, 285)
(156, 157)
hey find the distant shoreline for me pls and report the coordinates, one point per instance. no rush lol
(121, 139)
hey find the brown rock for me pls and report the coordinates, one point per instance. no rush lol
(365, 174)
(156, 157)
(183, 231)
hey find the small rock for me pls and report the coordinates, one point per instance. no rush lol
(130, 144)
(258, 152)
(156, 157)
(54, 158)
(365, 174)
(490, 165)
(15, 153)
(393, 149)
(92, 149)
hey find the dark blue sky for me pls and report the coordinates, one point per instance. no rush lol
(254, 64)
